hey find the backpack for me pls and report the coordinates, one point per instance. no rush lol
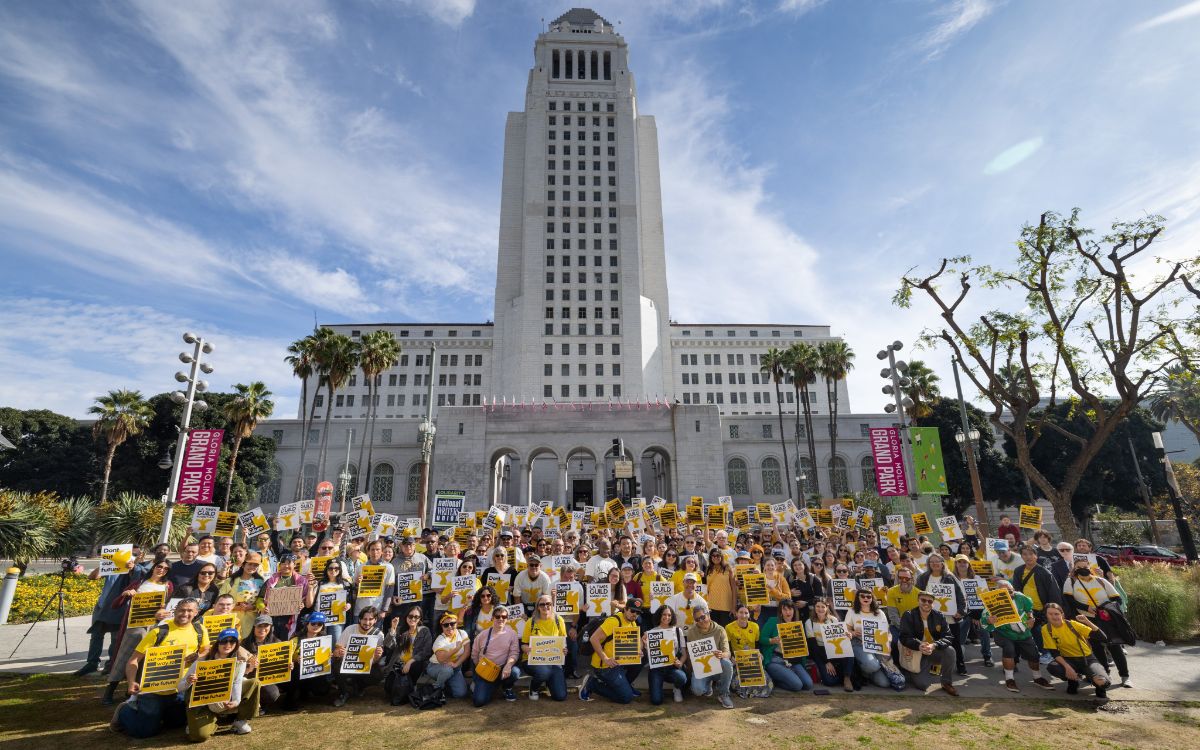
(585, 642)
(160, 633)
(425, 696)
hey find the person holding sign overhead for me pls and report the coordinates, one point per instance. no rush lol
(925, 632)
(242, 693)
(707, 630)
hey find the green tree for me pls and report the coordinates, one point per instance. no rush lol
(301, 357)
(1178, 399)
(803, 361)
(253, 403)
(54, 453)
(837, 360)
(1084, 324)
(121, 414)
(923, 388)
(773, 364)
(335, 359)
(380, 350)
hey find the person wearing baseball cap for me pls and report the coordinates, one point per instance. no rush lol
(243, 700)
(531, 584)
(609, 678)
(296, 689)
(245, 586)
(261, 634)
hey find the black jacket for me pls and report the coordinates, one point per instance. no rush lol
(960, 597)
(1047, 591)
(912, 631)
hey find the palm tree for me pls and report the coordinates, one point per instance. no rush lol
(380, 350)
(336, 359)
(923, 388)
(1178, 399)
(774, 366)
(804, 361)
(252, 404)
(837, 360)
(120, 415)
(301, 358)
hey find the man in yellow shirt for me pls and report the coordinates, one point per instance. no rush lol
(609, 678)
(902, 597)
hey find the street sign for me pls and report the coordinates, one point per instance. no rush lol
(623, 469)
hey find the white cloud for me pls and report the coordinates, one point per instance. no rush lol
(449, 12)
(58, 354)
(798, 7)
(958, 17)
(1182, 13)
(1013, 155)
(404, 82)
(334, 290)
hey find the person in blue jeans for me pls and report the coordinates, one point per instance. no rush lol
(609, 678)
(502, 647)
(835, 670)
(788, 674)
(673, 671)
(545, 623)
(963, 572)
(450, 650)
(703, 629)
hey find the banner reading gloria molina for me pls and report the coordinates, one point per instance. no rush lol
(198, 476)
(888, 451)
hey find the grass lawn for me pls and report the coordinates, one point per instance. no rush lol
(51, 711)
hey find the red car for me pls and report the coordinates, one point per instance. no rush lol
(1126, 554)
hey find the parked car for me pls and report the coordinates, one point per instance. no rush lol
(1125, 554)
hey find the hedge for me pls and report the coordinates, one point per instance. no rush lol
(79, 596)
(1164, 600)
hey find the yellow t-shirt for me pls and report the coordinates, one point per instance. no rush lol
(1062, 639)
(742, 639)
(645, 579)
(177, 635)
(610, 624)
(1030, 590)
(555, 626)
(901, 601)
(677, 579)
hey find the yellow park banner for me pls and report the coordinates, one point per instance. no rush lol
(1001, 609)
(921, 523)
(370, 584)
(162, 669)
(627, 645)
(754, 586)
(274, 663)
(214, 682)
(792, 642)
(1030, 517)
(749, 667)
(144, 606)
(214, 624)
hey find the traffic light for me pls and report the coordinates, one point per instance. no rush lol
(634, 489)
(610, 489)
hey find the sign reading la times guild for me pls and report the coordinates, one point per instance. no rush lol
(198, 477)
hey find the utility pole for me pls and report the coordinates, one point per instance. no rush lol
(426, 430)
(1145, 491)
(968, 446)
(1185, 532)
(187, 400)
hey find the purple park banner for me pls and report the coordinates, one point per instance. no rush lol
(198, 478)
(888, 451)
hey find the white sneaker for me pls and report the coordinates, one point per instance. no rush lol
(241, 727)
(534, 694)
(678, 695)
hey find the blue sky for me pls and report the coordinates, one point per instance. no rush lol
(235, 168)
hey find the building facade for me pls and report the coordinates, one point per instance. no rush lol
(583, 350)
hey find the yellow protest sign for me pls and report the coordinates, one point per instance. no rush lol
(627, 645)
(843, 590)
(254, 521)
(115, 559)
(567, 597)
(741, 519)
(703, 653)
(370, 582)
(837, 641)
(824, 517)
(615, 511)
(214, 682)
(715, 516)
(695, 515)
(660, 647)
(764, 512)
(333, 605)
(1001, 609)
(547, 650)
(1030, 517)
(316, 565)
(668, 516)
(162, 668)
(316, 656)
(921, 523)
(408, 587)
(360, 654)
(754, 587)
(983, 568)
(876, 637)
(144, 607)
(226, 523)
(274, 663)
(792, 642)
(214, 624)
(749, 667)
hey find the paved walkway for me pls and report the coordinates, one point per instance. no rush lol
(1159, 673)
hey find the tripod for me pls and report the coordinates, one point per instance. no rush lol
(61, 626)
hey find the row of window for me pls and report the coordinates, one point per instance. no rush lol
(581, 312)
(581, 295)
(581, 166)
(581, 329)
(611, 136)
(582, 349)
(552, 181)
(581, 277)
(580, 121)
(404, 333)
(581, 65)
(708, 333)
(565, 369)
(564, 391)
(580, 106)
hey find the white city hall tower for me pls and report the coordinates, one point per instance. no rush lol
(581, 280)
(583, 351)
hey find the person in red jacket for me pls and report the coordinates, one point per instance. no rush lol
(1007, 527)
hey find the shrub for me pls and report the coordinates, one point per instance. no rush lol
(79, 596)
(137, 519)
(1162, 601)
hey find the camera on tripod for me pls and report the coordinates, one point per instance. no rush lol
(69, 564)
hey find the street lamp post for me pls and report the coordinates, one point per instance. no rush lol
(426, 430)
(895, 371)
(344, 476)
(1185, 532)
(188, 400)
(968, 438)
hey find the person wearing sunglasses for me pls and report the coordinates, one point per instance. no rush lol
(245, 586)
(204, 588)
(450, 649)
(609, 678)
(410, 650)
(128, 638)
(926, 631)
(545, 622)
(704, 628)
(495, 655)
(870, 665)
(243, 699)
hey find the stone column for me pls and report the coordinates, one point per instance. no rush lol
(564, 486)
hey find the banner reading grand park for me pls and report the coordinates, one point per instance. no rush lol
(888, 451)
(198, 477)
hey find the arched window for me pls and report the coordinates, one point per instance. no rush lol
(271, 486)
(838, 477)
(772, 482)
(868, 473)
(310, 482)
(737, 479)
(807, 485)
(383, 481)
(414, 485)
